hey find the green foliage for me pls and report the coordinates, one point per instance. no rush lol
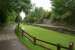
(3, 8)
(9, 9)
(63, 10)
(18, 5)
(37, 15)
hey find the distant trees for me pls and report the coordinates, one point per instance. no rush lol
(37, 15)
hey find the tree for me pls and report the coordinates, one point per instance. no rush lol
(3, 10)
(7, 7)
(63, 10)
(37, 15)
(17, 5)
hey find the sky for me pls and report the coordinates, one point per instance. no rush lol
(22, 14)
(46, 4)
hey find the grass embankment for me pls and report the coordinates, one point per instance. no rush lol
(46, 35)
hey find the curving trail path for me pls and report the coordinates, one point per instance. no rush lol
(8, 39)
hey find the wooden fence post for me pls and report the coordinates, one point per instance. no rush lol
(58, 47)
(71, 45)
(22, 33)
(34, 40)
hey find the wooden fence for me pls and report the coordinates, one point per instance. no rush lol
(34, 41)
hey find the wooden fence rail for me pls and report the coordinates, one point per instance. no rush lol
(34, 41)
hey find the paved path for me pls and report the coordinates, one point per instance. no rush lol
(9, 41)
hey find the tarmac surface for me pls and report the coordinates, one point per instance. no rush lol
(8, 39)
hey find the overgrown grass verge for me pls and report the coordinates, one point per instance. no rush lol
(49, 36)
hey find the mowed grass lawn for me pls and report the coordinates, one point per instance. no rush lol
(47, 35)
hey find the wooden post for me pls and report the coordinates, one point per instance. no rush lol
(58, 47)
(22, 33)
(71, 45)
(34, 38)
